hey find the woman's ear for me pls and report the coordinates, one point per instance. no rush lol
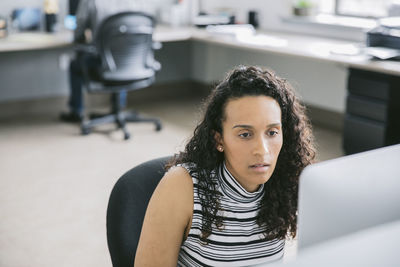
(218, 141)
(218, 138)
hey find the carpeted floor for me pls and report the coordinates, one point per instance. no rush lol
(55, 183)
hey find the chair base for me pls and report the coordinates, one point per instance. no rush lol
(120, 119)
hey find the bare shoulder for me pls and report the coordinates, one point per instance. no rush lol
(175, 190)
(168, 215)
(177, 184)
(177, 176)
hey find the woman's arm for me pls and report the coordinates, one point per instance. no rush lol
(168, 216)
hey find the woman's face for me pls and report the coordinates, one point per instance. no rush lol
(252, 139)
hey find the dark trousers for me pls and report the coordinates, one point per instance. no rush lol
(75, 103)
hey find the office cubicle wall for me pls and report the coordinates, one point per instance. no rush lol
(32, 74)
(320, 84)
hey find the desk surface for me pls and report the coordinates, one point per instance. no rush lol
(24, 41)
(35, 40)
(310, 47)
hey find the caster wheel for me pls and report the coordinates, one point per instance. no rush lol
(127, 136)
(85, 131)
(158, 126)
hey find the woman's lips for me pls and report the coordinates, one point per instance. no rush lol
(260, 167)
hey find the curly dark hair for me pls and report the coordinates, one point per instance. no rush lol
(278, 210)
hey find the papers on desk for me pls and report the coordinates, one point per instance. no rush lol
(233, 30)
(262, 39)
(359, 49)
(382, 52)
(245, 33)
(346, 49)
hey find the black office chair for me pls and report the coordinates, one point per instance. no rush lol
(126, 209)
(126, 49)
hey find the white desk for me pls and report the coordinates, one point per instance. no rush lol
(24, 41)
(34, 41)
(310, 47)
(315, 48)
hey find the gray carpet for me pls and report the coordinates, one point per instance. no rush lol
(55, 183)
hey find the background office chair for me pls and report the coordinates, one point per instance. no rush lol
(126, 49)
(126, 209)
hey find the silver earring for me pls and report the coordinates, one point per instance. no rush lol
(220, 148)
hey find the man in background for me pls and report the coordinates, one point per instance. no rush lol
(89, 16)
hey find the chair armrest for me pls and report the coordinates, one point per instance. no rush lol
(153, 64)
(86, 48)
(156, 45)
(156, 65)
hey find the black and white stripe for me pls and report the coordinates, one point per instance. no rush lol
(241, 241)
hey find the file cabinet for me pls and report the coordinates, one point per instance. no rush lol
(372, 118)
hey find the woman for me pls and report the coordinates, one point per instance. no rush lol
(230, 198)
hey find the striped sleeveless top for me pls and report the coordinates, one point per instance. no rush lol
(240, 242)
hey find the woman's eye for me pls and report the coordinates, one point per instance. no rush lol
(272, 133)
(244, 135)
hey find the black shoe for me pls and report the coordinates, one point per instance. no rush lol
(71, 117)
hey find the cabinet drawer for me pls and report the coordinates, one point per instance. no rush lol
(361, 134)
(369, 87)
(367, 107)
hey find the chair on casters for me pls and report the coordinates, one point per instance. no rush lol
(126, 209)
(126, 49)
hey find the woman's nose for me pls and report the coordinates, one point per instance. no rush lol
(261, 146)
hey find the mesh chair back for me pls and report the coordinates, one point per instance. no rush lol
(124, 42)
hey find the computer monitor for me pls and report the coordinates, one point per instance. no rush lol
(348, 194)
(26, 19)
